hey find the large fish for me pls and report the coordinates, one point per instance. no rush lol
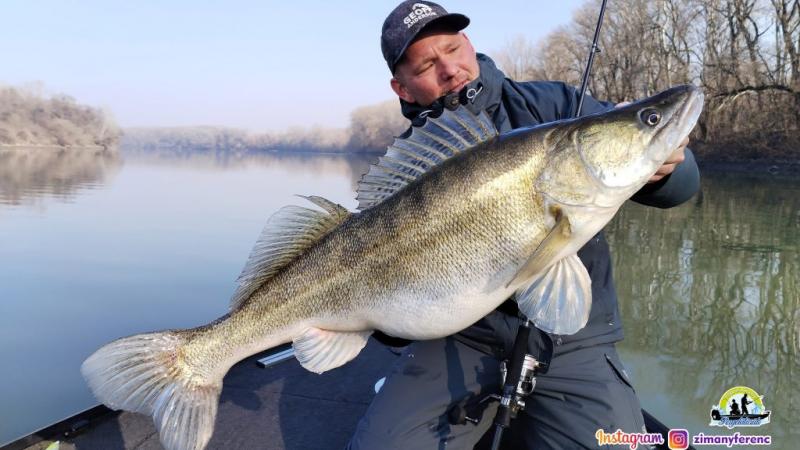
(452, 221)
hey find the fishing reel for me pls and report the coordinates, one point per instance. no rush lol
(527, 381)
(469, 411)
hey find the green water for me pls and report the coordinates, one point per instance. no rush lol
(710, 299)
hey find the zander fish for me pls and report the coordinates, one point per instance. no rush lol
(452, 221)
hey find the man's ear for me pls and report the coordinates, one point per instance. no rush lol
(401, 91)
(467, 41)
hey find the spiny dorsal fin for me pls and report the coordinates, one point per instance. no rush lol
(429, 145)
(287, 234)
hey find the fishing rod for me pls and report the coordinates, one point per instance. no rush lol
(652, 424)
(593, 51)
(520, 379)
(520, 376)
(519, 372)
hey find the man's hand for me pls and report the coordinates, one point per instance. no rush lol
(672, 161)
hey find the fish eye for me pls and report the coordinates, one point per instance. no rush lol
(650, 117)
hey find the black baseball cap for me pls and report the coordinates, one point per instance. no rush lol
(408, 20)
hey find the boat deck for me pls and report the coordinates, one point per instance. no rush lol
(279, 407)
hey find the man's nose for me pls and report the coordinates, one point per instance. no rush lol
(448, 69)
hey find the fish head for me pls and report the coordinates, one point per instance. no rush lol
(624, 147)
(603, 159)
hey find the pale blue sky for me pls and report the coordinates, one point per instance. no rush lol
(257, 65)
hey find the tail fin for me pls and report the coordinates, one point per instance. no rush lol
(146, 373)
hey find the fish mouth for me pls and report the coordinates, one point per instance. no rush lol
(684, 120)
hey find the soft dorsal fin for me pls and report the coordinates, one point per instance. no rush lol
(288, 233)
(406, 159)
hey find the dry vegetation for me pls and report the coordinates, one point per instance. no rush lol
(373, 127)
(371, 130)
(745, 54)
(29, 118)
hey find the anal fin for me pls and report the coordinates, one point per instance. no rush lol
(559, 299)
(320, 350)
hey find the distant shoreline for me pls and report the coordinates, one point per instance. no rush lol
(95, 146)
(324, 152)
(244, 150)
(776, 167)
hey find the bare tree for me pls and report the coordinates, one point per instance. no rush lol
(744, 53)
(517, 58)
(373, 127)
(29, 117)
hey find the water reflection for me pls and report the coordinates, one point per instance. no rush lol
(350, 165)
(30, 173)
(158, 246)
(27, 174)
(711, 292)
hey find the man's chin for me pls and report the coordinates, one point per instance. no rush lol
(458, 88)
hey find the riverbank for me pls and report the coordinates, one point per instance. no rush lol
(31, 118)
(783, 166)
(777, 168)
(55, 147)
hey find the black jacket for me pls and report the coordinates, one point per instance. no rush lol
(512, 105)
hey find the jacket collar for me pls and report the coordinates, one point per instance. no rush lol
(483, 93)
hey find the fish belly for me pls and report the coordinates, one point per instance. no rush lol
(419, 317)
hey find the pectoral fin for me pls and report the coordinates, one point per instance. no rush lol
(322, 350)
(547, 250)
(559, 299)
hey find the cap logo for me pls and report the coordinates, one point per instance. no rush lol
(419, 11)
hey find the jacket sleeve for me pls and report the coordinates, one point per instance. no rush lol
(675, 188)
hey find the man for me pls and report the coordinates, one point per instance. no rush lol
(584, 387)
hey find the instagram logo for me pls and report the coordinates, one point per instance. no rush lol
(678, 439)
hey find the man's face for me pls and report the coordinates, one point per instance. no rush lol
(435, 64)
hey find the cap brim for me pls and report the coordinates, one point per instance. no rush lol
(454, 21)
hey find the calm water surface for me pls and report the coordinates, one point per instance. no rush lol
(710, 299)
(95, 247)
(93, 252)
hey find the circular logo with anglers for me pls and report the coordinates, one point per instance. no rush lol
(740, 407)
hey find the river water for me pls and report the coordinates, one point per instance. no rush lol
(94, 247)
